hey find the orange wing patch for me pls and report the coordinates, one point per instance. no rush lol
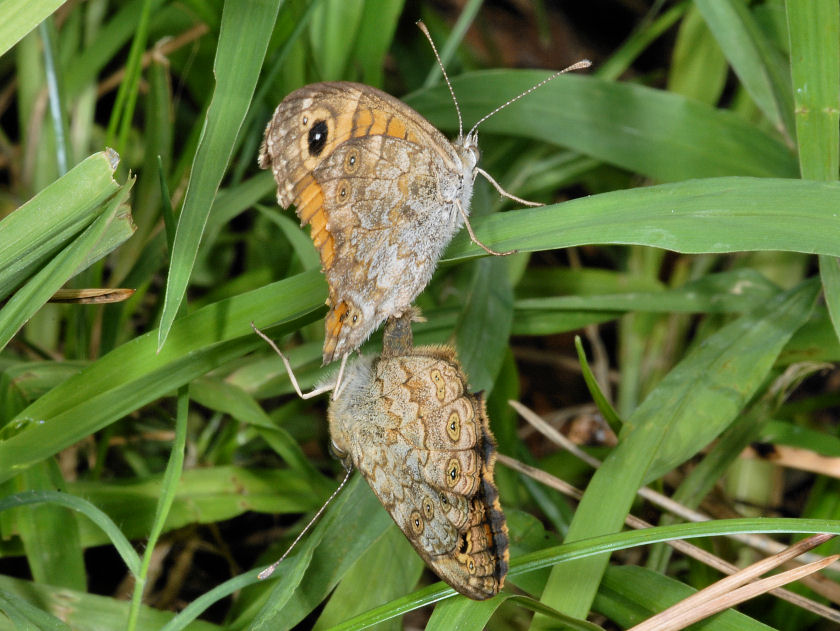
(310, 208)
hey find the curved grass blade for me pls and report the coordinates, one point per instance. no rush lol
(690, 406)
(631, 126)
(123, 546)
(237, 67)
(713, 215)
(134, 374)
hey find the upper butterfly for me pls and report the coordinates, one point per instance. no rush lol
(383, 190)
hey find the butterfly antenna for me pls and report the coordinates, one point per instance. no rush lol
(583, 63)
(270, 569)
(428, 35)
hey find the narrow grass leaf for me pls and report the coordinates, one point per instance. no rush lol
(388, 569)
(627, 125)
(712, 215)
(688, 408)
(463, 614)
(333, 30)
(135, 374)
(231, 399)
(727, 292)
(171, 476)
(814, 31)
(698, 67)
(118, 540)
(100, 52)
(89, 612)
(245, 31)
(20, 17)
(376, 33)
(35, 231)
(27, 300)
(596, 545)
(761, 68)
(49, 533)
(27, 617)
(203, 496)
(348, 528)
(484, 323)
(604, 406)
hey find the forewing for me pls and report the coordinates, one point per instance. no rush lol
(308, 144)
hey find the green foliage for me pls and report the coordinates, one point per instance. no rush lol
(166, 421)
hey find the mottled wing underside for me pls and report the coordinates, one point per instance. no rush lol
(353, 159)
(424, 445)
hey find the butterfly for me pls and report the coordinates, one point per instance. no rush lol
(408, 423)
(383, 191)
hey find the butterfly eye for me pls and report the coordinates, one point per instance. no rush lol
(317, 137)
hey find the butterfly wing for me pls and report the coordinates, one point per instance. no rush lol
(424, 445)
(330, 144)
(388, 223)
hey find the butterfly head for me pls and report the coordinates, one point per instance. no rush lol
(467, 147)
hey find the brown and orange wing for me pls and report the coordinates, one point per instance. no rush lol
(307, 146)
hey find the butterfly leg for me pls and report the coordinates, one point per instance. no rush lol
(291, 373)
(503, 192)
(474, 238)
(338, 386)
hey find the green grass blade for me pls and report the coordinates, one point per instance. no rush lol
(123, 111)
(569, 552)
(45, 283)
(20, 17)
(376, 34)
(485, 321)
(243, 40)
(332, 31)
(204, 496)
(387, 570)
(174, 468)
(26, 617)
(135, 374)
(761, 68)
(698, 68)
(123, 546)
(627, 125)
(689, 407)
(89, 612)
(35, 231)
(604, 406)
(814, 30)
(713, 215)
(348, 528)
(49, 534)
